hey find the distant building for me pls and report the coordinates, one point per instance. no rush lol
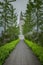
(21, 22)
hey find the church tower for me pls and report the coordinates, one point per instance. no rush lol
(20, 26)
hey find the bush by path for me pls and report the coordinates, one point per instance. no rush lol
(6, 49)
(38, 50)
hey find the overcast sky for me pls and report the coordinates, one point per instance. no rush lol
(20, 5)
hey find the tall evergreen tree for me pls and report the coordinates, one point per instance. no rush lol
(34, 20)
(8, 19)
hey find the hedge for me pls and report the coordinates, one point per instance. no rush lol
(37, 49)
(6, 49)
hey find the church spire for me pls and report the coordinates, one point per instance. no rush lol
(21, 15)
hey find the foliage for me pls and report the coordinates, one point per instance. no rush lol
(6, 50)
(37, 49)
(8, 20)
(33, 18)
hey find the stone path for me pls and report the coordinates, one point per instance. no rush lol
(22, 55)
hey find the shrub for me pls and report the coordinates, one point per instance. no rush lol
(6, 49)
(38, 50)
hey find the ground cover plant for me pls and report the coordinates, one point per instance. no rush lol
(37, 49)
(6, 49)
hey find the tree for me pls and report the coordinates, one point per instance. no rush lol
(8, 17)
(1, 10)
(34, 20)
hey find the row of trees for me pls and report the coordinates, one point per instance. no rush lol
(33, 27)
(8, 20)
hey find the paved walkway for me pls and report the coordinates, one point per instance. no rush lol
(22, 55)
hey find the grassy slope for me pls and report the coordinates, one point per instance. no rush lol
(6, 49)
(38, 50)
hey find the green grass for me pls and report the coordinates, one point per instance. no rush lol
(6, 49)
(38, 50)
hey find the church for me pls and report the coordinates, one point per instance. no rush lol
(21, 22)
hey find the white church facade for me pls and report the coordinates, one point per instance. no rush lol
(21, 22)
